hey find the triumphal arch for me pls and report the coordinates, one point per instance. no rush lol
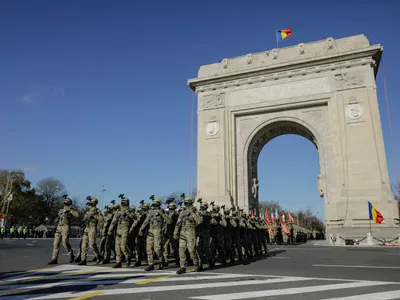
(324, 91)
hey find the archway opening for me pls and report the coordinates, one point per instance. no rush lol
(284, 158)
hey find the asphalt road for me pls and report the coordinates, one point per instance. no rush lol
(290, 272)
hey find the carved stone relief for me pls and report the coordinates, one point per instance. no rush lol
(349, 80)
(213, 101)
(212, 128)
(275, 53)
(330, 42)
(301, 48)
(354, 111)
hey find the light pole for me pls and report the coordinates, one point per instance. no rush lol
(102, 190)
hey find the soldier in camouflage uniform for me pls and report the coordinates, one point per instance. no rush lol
(235, 223)
(186, 231)
(91, 220)
(169, 234)
(63, 230)
(106, 240)
(154, 222)
(218, 223)
(203, 239)
(244, 238)
(140, 216)
(122, 220)
(228, 233)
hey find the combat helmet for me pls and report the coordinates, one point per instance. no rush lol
(172, 205)
(125, 201)
(67, 201)
(188, 201)
(203, 205)
(93, 201)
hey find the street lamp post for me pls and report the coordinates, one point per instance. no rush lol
(102, 190)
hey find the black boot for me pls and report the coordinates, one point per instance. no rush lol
(94, 259)
(117, 265)
(197, 268)
(106, 261)
(149, 268)
(53, 262)
(99, 259)
(82, 263)
(128, 263)
(71, 259)
(138, 263)
(77, 260)
(181, 271)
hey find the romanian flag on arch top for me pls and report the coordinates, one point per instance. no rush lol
(374, 214)
(284, 33)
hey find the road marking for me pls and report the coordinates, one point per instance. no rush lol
(87, 296)
(292, 291)
(29, 244)
(353, 266)
(123, 280)
(151, 280)
(154, 289)
(374, 296)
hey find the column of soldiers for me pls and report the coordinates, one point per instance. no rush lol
(192, 235)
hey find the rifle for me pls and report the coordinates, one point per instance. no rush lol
(212, 203)
(65, 196)
(151, 197)
(183, 196)
(121, 196)
(223, 207)
(88, 198)
(200, 200)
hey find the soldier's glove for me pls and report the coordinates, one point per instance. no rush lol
(175, 236)
(140, 233)
(110, 234)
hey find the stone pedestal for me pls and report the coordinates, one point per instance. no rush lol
(370, 239)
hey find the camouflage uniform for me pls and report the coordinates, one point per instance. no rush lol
(122, 220)
(235, 223)
(186, 230)
(228, 233)
(140, 216)
(203, 240)
(63, 230)
(91, 220)
(169, 234)
(155, 220)
(218, 223)
(106, 240)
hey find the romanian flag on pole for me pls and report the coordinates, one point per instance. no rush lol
(284, 33)
(374, 214)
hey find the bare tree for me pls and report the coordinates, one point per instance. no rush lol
(51, 189)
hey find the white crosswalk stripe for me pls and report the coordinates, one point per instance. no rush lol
(72, 281)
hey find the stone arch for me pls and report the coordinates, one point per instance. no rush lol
(265, 132)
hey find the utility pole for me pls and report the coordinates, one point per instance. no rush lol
(102, 190)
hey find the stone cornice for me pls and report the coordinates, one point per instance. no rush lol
(321, 64)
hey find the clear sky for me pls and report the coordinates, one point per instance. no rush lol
(95, 92)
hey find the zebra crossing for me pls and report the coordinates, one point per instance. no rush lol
(84, 282)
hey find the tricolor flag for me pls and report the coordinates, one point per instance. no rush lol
(272, 216)
(374, 214)
(284, 33)
(283, 217)
(290, 217)
(267, 217)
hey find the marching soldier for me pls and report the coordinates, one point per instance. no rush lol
(185, 230)
(203, 239)
(169, 233)
(63, 230)
(122, 220)
(155, 220)
(91, 220)
(105, 238)
(218, 223)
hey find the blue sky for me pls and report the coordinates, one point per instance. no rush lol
(95, 92)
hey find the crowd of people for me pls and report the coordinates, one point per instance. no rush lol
(206, 234)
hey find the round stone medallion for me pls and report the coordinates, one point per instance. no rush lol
(354, 111)
(212, 128)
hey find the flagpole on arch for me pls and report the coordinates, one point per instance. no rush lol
(277, 39)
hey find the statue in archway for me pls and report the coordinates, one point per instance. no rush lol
(320, 185)
(254, 189)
